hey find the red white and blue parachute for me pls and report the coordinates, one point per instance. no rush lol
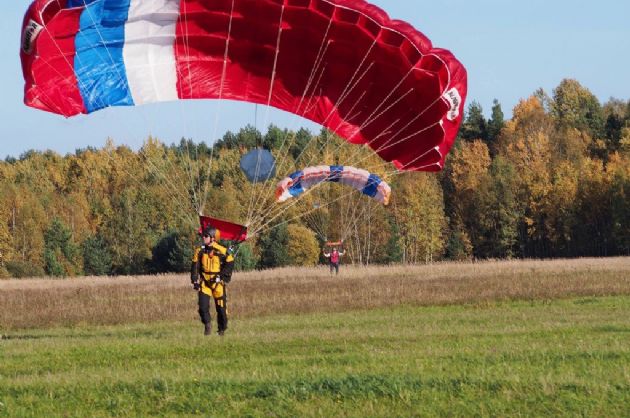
(367, 183)
(341, 63)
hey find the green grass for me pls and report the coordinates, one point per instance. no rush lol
(559, 358)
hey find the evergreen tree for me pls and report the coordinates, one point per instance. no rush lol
(302, 139)
(612, 132)
(500, 205)
(249, 137)
(475, 125)
(245, 259)
(495, 124)
(273, 247)
(97, 261)
(275, 138)
(394, 253)
(172, 253)
(458, 245)
(60, 252)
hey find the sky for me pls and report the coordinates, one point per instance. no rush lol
(509, 48)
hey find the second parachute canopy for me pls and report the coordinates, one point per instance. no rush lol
(297, 183)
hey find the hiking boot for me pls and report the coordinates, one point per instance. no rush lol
(207, 329)
(221, 333)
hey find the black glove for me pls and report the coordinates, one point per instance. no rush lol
(196, 285)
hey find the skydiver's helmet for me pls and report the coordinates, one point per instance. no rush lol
(211, 231)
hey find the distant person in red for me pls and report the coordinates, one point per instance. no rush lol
(333, 258)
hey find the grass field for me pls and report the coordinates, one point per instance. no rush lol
(484, 339)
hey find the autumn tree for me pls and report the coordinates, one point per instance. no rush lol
(619, 195)
(419, 211)
(469, 172)
(575, 106)
(303, 248)
(528, 147)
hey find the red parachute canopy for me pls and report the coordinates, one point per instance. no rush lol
(341, 63)
(229, 231)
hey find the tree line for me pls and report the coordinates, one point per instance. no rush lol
(552, 181)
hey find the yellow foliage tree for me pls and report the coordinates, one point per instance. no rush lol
(303, 248)
(419, 211)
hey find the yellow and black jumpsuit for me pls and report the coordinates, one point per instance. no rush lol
(211, 269)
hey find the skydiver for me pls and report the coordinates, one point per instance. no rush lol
(211, 269)
(333, 258)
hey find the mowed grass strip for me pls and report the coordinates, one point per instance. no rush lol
(568, 357)
(39, 303)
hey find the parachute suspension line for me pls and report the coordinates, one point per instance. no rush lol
(349, 87)
(372, 117)
(314, 220)
(323, 47)
(151, 165)
(315, 223)
(384, 146)
(353, 219)
(175, 191)
(172, 168)
(389, 143)
(254, 197)
(319, 58)
(325, 224)
(315, 68)
(397, 142)
(250, 206)
(100, 103)
(219, 106)
(264, 227)
(345, 218)
(310, 106)
(69, 79)
(177, 188)
(278, 212)
(351, 84)
(181, 216)
(347, 90)
(321, 219)
(104, 43)
(275, 63)
(194, 179)
(295, 201)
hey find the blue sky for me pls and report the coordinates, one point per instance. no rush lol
(510, 49)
